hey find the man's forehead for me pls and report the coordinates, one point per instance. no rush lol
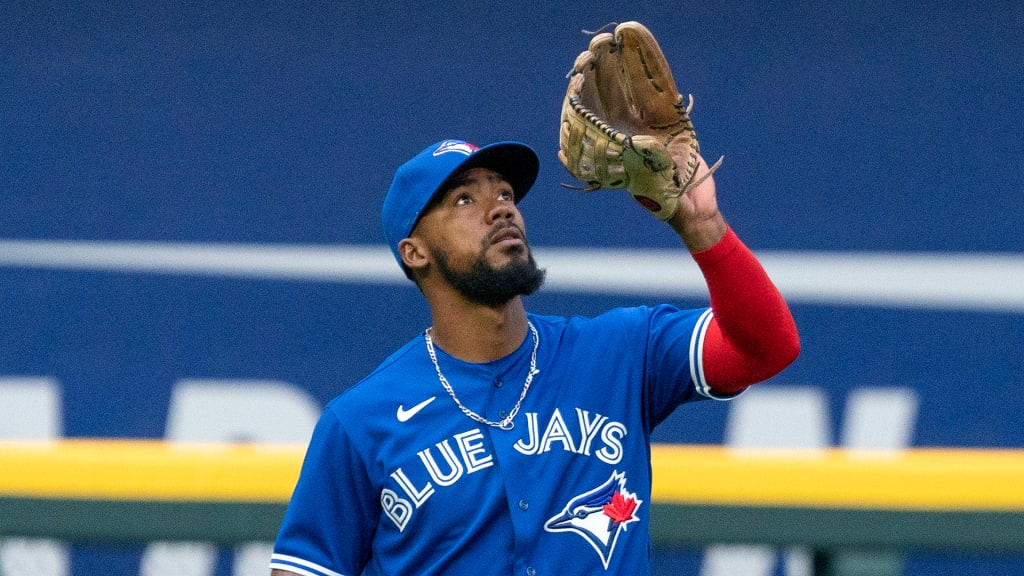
(476, 174)
(469, 177)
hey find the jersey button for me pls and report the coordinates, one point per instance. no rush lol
(530, 571)
(523, 505)
(503, 414)
(498, 382)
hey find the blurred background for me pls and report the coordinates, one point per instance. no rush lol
(190, 244)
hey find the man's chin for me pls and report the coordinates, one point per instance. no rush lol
(497, 277)
(514, 254)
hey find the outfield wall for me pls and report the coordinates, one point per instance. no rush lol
(855, 511)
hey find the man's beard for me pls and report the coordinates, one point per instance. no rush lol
(490, 286)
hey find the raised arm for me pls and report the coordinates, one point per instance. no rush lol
(752, 336)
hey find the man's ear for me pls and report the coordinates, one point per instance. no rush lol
(414, 253)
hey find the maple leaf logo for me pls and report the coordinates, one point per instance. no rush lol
(599, 515)
(621, 508)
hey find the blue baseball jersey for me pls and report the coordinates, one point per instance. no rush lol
(397, 480)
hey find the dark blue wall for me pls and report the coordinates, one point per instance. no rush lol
(861, 126)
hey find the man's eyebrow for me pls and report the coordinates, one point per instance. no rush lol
(456, 181)
(462, 179)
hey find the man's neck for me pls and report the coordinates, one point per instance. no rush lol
(478, 333)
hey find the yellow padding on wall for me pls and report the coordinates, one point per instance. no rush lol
(919, 479)
(149, 470)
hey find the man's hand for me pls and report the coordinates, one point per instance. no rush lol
(698, 221)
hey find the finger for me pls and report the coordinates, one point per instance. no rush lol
(647, 77)
(605, 82)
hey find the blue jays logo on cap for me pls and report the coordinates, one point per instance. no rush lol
(599, 515)
(455, 146)
(420, 179)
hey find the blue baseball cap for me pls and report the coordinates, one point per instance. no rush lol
(417, 181)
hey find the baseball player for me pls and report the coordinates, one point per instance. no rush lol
(499, 441)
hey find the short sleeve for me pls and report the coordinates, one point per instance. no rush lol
(675, 359)
(329, 526)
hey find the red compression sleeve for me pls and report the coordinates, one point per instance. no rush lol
(752, 336)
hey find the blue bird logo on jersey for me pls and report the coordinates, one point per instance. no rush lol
(599, 515)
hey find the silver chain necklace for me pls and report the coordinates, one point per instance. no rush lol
(506, 423)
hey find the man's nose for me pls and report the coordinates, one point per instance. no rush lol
(502, 211)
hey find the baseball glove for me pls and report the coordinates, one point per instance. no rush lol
(624, 121)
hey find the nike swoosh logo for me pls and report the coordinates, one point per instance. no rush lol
(404, 415)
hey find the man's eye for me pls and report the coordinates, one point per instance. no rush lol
(507, 195)
(463, 199)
